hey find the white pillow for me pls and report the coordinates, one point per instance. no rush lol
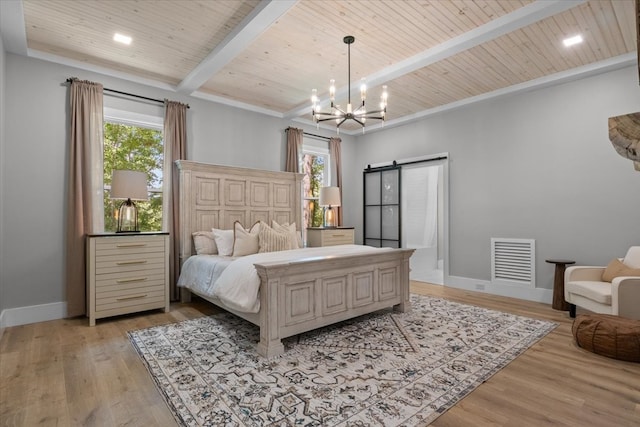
(224, 241)
(204, 243)
(295, 237)
(245, 241)
(271, 240)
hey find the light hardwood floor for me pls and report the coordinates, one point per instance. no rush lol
(65, 373)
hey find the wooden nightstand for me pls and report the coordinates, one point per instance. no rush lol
(320, 236)
(126, 273)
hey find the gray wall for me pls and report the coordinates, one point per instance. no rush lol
(535, 165)
(2, 162)
(35, 158)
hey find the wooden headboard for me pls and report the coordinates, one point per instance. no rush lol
(214, 196)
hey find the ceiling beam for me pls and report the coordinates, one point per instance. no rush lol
(515, 20)
(254, 24)
(12, 28)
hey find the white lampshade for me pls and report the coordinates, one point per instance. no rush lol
(329, 196)
(127, 184)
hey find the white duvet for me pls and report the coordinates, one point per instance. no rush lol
(235, 281)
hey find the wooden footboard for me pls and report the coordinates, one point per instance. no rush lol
(299, 296)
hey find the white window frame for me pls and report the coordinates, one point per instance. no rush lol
(130, 118)
(319, 152)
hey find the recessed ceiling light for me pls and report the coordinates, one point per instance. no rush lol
(570, 41)
(122, 39)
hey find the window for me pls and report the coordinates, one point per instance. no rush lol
(315, 167)
(134, 142)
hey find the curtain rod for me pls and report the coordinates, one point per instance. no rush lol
(312, 134)
(160, 101)
(317, 136)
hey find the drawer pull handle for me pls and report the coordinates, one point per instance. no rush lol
(131, 245)
(133, 279)
(142, 261)
(338, 235)
(132, 297)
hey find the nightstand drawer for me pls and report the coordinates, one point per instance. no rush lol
(129, 246)
(122, 299)
(329, 236)
(123, 263)
(129, 280)
(338, 237)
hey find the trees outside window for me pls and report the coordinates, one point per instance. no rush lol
(138, 148)
(315, 167)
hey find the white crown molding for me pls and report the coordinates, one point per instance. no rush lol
(13, 34)
(578, 73)
(611, 64)
(100, 70)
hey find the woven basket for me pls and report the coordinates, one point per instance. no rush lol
(607, 335)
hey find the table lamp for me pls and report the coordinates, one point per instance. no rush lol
(330, 197)
(128, 186)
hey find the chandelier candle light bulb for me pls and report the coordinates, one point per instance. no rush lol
(360, 114)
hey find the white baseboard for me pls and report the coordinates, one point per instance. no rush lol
(58, 310)
(32, 314)
(513, 291)
(2, 328)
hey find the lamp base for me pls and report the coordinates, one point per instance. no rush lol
(128, 218)
(330, 220)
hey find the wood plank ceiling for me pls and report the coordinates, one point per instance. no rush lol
(267, 56)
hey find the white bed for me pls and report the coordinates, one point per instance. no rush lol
(310, 289)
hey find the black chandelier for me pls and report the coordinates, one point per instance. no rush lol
(359, 115)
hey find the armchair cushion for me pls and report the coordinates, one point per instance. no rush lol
(595, 291)
(617, 268)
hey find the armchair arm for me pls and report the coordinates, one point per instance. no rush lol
(625, 296)
(591, 273)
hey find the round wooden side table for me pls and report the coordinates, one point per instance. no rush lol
(558, 284)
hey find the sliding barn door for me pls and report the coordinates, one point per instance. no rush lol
(382, 207)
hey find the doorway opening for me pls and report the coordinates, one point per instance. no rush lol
(422, 220)
(406, 205)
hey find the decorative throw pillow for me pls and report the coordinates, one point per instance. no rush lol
(632, 258)
(296, 238)
(617, 269)
(245, 242)
(204, 243)
(224, 241)
(271, 240)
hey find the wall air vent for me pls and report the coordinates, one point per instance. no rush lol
(513, 261)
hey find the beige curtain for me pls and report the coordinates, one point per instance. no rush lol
(294, 149)
(335, 152)
(175, 148)
(84, 186)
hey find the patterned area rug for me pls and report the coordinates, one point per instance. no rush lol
(383, 369)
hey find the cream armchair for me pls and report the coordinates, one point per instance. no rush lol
(584, 286)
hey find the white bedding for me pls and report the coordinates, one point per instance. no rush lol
(235, 281)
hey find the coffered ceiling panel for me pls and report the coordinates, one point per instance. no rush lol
(267, 56)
